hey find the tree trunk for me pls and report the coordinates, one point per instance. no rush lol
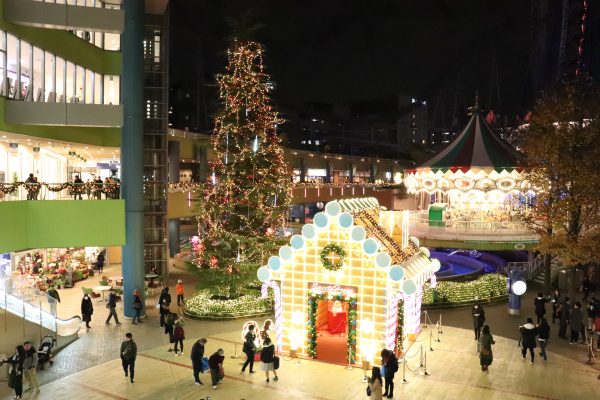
(547, 273)
(572, 282)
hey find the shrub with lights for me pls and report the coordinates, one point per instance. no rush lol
(488, 287)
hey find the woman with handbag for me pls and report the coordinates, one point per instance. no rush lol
(15, 373)
(178, 336)
(267, 356)
(375, 384)
(486, 340)
(249, 349)
(137, 306)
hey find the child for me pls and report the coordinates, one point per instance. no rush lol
(179, 290)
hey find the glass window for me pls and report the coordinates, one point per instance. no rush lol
(80, 87)
(89, 86)
(98, 95)
(98, 39)
(49, 77)
(111, 89)
(70, 80)
(26, 92)
(60, 80)
(3, 90)
(112, 41)
(12, 65)
(38, 74)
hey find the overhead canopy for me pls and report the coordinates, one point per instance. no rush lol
(477, 146)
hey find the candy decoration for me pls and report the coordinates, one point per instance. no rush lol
(392, 321)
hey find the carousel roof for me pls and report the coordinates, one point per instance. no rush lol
(476, 146)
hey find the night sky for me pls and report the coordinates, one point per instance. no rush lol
(343, 51)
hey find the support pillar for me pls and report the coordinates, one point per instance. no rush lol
(132, 154)
(174, 170)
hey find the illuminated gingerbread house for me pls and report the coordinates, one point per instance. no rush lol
(340, 294)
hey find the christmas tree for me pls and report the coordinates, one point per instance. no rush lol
(248, 193)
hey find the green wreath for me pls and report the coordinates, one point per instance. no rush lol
(327, 264)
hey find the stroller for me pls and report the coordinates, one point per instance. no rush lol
(45, 352)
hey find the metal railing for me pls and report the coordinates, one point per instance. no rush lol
(420, 220)
(530, 268)
(21, 298)
(59, 191)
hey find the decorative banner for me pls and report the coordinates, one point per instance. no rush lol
(278, 322)
(332, 289)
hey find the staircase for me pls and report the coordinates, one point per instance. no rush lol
(30, 304)
(367, 220)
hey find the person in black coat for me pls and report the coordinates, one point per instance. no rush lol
(249, 349)
(478, 314)
(528, 334)
(540, 306)
(15, 378)
(390, 362)
(100, 262)
(87, 309)
(564, 313)
(197, 355)
(543, 337)
(165, 302)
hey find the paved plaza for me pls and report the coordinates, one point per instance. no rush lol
(90, 367)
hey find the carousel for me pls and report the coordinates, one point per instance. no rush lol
(477, 177)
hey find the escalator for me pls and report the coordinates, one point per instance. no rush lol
(31, 314)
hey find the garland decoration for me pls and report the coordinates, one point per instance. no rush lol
(9, 188)
(337, 250)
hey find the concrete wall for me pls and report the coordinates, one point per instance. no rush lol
(73, 114)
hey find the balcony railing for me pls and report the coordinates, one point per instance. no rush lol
(419, 220)
(194, 187)
(59, 191)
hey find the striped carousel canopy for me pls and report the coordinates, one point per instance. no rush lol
(477, 146)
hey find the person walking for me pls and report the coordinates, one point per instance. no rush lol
(112, 305)
(564, 313)
(179, 291)
(215, 363)
(486, 356)
(164, 302)
(543, 338)
(52, 292)
(178, 336)
(575, 322)
(539, 304)
(137, 306)
(267, 357)
(375, 385)
(197, 354)
(87, 309)
(390, 364)
(555, 305)
(478, 314)
(249, 349)
(100, 260)
(30, 367)
(15, 372)
(528, 334)
(128, 354)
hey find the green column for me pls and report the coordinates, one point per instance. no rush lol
(132, 152)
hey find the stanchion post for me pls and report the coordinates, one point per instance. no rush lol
(425, 317)
(441, 331)
(235, 353)
(404, 370)
(365, 365)
(425, 366)
(438, 331)
(430, 336)
(421, 356)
